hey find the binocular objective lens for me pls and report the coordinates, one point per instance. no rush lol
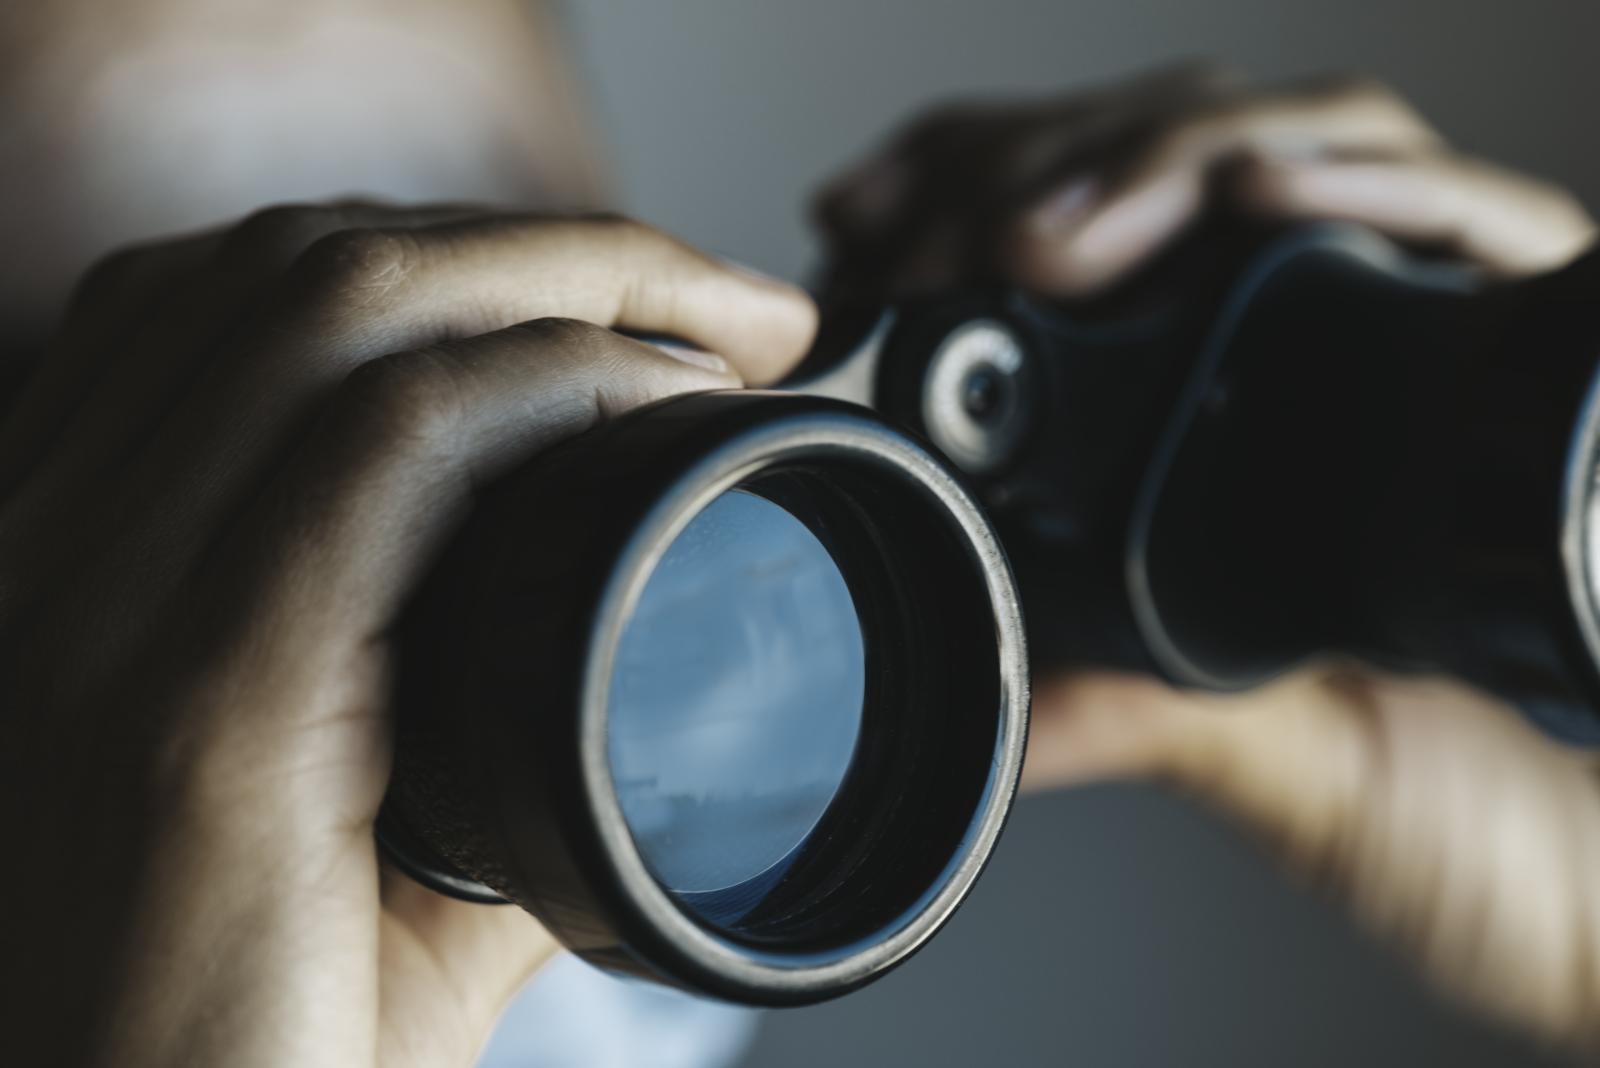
(735, 703)
(745, 715)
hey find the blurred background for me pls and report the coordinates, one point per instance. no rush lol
(1117, 926)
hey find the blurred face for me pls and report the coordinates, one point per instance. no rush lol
(142, 118)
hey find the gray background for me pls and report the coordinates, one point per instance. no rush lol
(1117, 926)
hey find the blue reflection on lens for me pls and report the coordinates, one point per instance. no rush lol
(736, 698)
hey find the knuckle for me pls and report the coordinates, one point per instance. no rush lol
(1182, 136)
(277, 234)
(1568, 204)
(626, 236)
(1356, 89)
(1217, 119)
(412, 399)
(276, 219)
(938, 123)
(355, 267)
(571, 336)
(637, 238)
(112, 273)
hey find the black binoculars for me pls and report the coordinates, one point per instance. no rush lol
(732, 692)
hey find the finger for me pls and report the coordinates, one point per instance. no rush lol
(1291, 758)
(142, 316)
(409, 288)
(865, 199)
(325, 557)
(1446, 821)
(1066, 245)
(358, 294)
(1508, 223)
(114, 296)
(153, 315)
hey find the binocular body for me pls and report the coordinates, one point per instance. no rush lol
(1318, 446)
(1326, 447)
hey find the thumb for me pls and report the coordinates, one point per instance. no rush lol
(448, 970)
(1292, 758)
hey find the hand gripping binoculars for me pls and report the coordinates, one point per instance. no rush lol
(732, 692)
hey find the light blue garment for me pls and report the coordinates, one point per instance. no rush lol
(576, 1016)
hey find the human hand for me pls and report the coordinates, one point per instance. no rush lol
(1066, 197)
(236, 461)
(1449, 826)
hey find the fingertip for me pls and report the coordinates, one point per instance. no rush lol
(780, 331)
(1077, 243)
(759, 325)
(700, 358)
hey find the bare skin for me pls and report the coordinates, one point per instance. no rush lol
(238, 458)
(1451, 828)
(244, 446)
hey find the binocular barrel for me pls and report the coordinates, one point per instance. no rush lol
(732, 692)
(1325, 448)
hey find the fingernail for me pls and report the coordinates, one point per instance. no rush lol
(710, 361)
(1065, 206)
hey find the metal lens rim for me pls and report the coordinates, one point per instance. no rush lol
(1578, 492)
(713, 959)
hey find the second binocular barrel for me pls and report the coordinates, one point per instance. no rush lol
(1323, 446)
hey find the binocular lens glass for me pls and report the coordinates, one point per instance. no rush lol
(735, 703)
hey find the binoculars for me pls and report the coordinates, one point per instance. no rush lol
(732, 692)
